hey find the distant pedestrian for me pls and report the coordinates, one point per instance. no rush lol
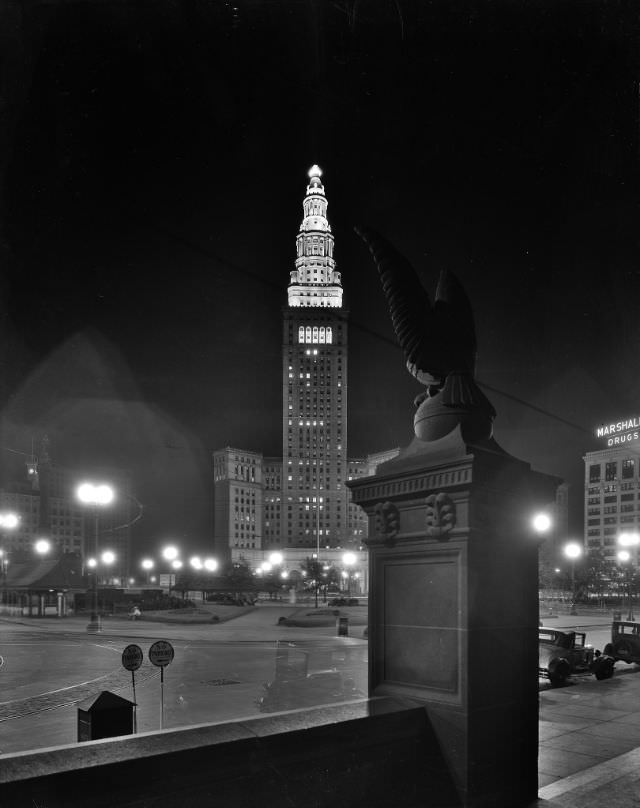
(135, 613)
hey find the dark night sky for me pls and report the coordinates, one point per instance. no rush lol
(154, 163)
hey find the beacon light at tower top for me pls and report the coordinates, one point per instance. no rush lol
(315, 171)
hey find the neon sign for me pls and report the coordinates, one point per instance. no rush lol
(620, 432)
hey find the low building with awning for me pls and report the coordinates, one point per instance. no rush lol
(43, 587)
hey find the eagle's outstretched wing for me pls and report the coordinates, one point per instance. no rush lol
(438, 339)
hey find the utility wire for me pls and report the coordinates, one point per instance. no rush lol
(277, 287)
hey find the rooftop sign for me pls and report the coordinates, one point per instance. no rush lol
(620, 432)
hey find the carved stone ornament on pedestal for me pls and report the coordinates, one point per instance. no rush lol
(387, 522)
(441, 515)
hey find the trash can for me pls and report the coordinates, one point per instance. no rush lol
(342, 624)
(105, 716)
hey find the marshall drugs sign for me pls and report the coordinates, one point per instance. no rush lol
(620, 432)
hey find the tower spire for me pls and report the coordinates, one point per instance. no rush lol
(315, 281)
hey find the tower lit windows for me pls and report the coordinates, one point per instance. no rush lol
(313, 318)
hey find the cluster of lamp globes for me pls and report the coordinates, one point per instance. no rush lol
(171, 554)
(573, 550)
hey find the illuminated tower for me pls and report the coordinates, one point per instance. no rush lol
(314, 508)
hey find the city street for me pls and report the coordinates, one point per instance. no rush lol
(49, 667)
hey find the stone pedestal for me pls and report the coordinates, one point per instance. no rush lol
(453, 605)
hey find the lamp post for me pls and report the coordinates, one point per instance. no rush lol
(42, 547)
(628, 540)
(170, 554)
(573, 551)
(348, 559)
(8, 521)
(541, 522)
(96, 496)
(147, 566)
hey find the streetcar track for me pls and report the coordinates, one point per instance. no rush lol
(53, 700)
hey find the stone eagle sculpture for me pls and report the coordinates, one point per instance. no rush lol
(439, 343)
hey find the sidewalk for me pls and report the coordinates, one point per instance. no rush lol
(589, 749)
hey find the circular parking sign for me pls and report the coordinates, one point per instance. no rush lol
(161, 653)
(132, 657)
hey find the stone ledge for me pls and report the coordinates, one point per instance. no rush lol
(370, 753)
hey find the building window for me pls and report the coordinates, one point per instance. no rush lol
(611, 471)
(594, 473)
(627, 468)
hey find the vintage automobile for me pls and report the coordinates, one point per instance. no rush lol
(561, 653)
(319, 687)
(625, 641)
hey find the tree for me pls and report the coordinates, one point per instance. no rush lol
(597, 572)
(319, 576)
(547, 575)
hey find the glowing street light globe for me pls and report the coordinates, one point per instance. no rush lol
(147, 564)
(196, 562)
(176, 564)
(276, 558)
(573, 550)
(108, 557)
(92, 494)
(266, 567)
(91, 562)
(541, 522)
(9, 520)
(42, 546)
(628, 539)
(210, 564)
(349, 558)
(624, 555)
(170, 553)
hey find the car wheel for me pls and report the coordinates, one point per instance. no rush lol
(608, 650)
(558, 672)
(623, 651)
(603, 667)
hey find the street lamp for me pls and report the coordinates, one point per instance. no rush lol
(348, 559)
(629, 539)
(107, 558)
(96, 496)
(8, 521)
(541, 522)
(147, 566)
(624, 557)
(573, 550)
(170, 553)
(42, 546)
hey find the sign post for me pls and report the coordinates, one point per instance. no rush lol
(161, 654)
(131, 660)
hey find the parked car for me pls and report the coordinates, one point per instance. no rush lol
(561, 653)
(343, 602)
(625, 641)
(319, 687)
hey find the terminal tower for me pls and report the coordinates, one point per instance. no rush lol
(314, 379)
(299, 502)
